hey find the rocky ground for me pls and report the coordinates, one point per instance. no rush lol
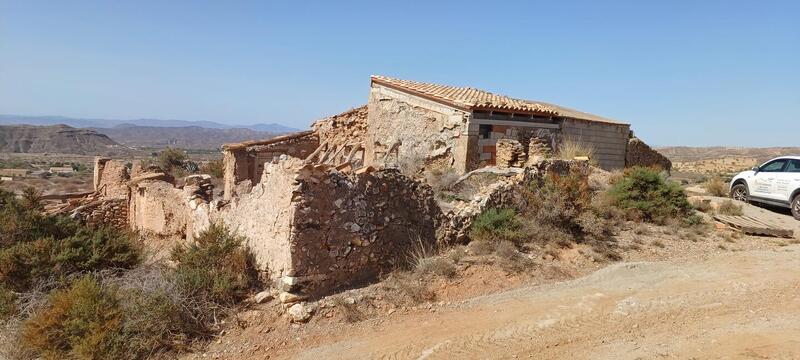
(675, 294)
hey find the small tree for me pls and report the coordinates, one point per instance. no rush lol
(171, 158)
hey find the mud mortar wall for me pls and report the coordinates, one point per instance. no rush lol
(159, 209)
(408, 132)
(111, 178)
(112, 212)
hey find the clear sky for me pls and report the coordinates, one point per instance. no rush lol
(681, 72)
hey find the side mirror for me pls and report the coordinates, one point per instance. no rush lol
(756, 168)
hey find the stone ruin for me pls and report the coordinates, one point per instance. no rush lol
(338, 205)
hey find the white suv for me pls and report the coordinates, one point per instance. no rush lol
(777, 182)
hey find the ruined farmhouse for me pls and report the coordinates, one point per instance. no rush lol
(347, 200)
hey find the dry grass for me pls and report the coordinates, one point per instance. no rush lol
(408, 288)
(728, 207)
(716, 187)
(570, 149)
(439, 266)
(348, 309)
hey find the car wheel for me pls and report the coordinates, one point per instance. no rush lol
(739, 192)
(796, 207)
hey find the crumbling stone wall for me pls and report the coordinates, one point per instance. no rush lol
(641, 154)
(111, 178)
(349, 127)
(245, 161)
(106, 212)
(510, 153)
(159, 210)
(409, 133)
(328, 229)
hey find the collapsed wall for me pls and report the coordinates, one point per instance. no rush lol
(641, 154)
(326, 229)
(244, 162)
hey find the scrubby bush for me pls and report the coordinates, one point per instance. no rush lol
(731, 208)
(216, 267)
(82, 322)
(171, 158)
(8, 306)
(146, 311)
(716, 187)
(214, 168)
(644, 193)
(497, 225)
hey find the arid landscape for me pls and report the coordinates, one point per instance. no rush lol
(399, 180)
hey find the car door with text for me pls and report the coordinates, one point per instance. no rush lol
(765, 181)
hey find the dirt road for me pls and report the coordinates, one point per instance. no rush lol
(737, 305)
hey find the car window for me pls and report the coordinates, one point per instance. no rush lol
(774, 166)
(794, 166)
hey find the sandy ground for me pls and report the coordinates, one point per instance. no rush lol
(672, 296)
(737, 305)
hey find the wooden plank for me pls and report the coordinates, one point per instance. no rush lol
(749, 225)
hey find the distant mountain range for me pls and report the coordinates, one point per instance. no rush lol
(106, 123)
(186, 137)
(57, 139)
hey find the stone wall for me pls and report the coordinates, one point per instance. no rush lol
(245, 162)
(111, 178)
(329, 229)
(640, 154)
(105, 212)
(411, 133)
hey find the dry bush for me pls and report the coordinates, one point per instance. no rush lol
(456, 253)
(348, 309)
(569, 149)
(658, 243)
(716, 187)
(510, 259)
(481, 247)
(439, 266)
(409, 288)
(728, 207)
(702, 206)
(214, 168)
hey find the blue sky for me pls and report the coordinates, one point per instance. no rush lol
(681, 72)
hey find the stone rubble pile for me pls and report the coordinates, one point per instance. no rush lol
(510, 153)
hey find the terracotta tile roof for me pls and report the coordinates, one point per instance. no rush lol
(475, 99)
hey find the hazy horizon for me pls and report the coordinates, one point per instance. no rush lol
(683, 74)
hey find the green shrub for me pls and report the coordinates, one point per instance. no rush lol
(644, 193)
(171, 158)
(24, 263)
(496, 225)
(215, 269)
(82, 322)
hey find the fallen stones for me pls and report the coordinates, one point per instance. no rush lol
(263, 297)
(510, 153)
(300, 312)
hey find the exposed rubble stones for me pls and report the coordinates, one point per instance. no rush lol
(300, 312)
(510, 153)
(641, 154)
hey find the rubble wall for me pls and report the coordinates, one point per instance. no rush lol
(411, 133)
(349, 229)
(111, 212)
(641, 154)
(349, 127)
